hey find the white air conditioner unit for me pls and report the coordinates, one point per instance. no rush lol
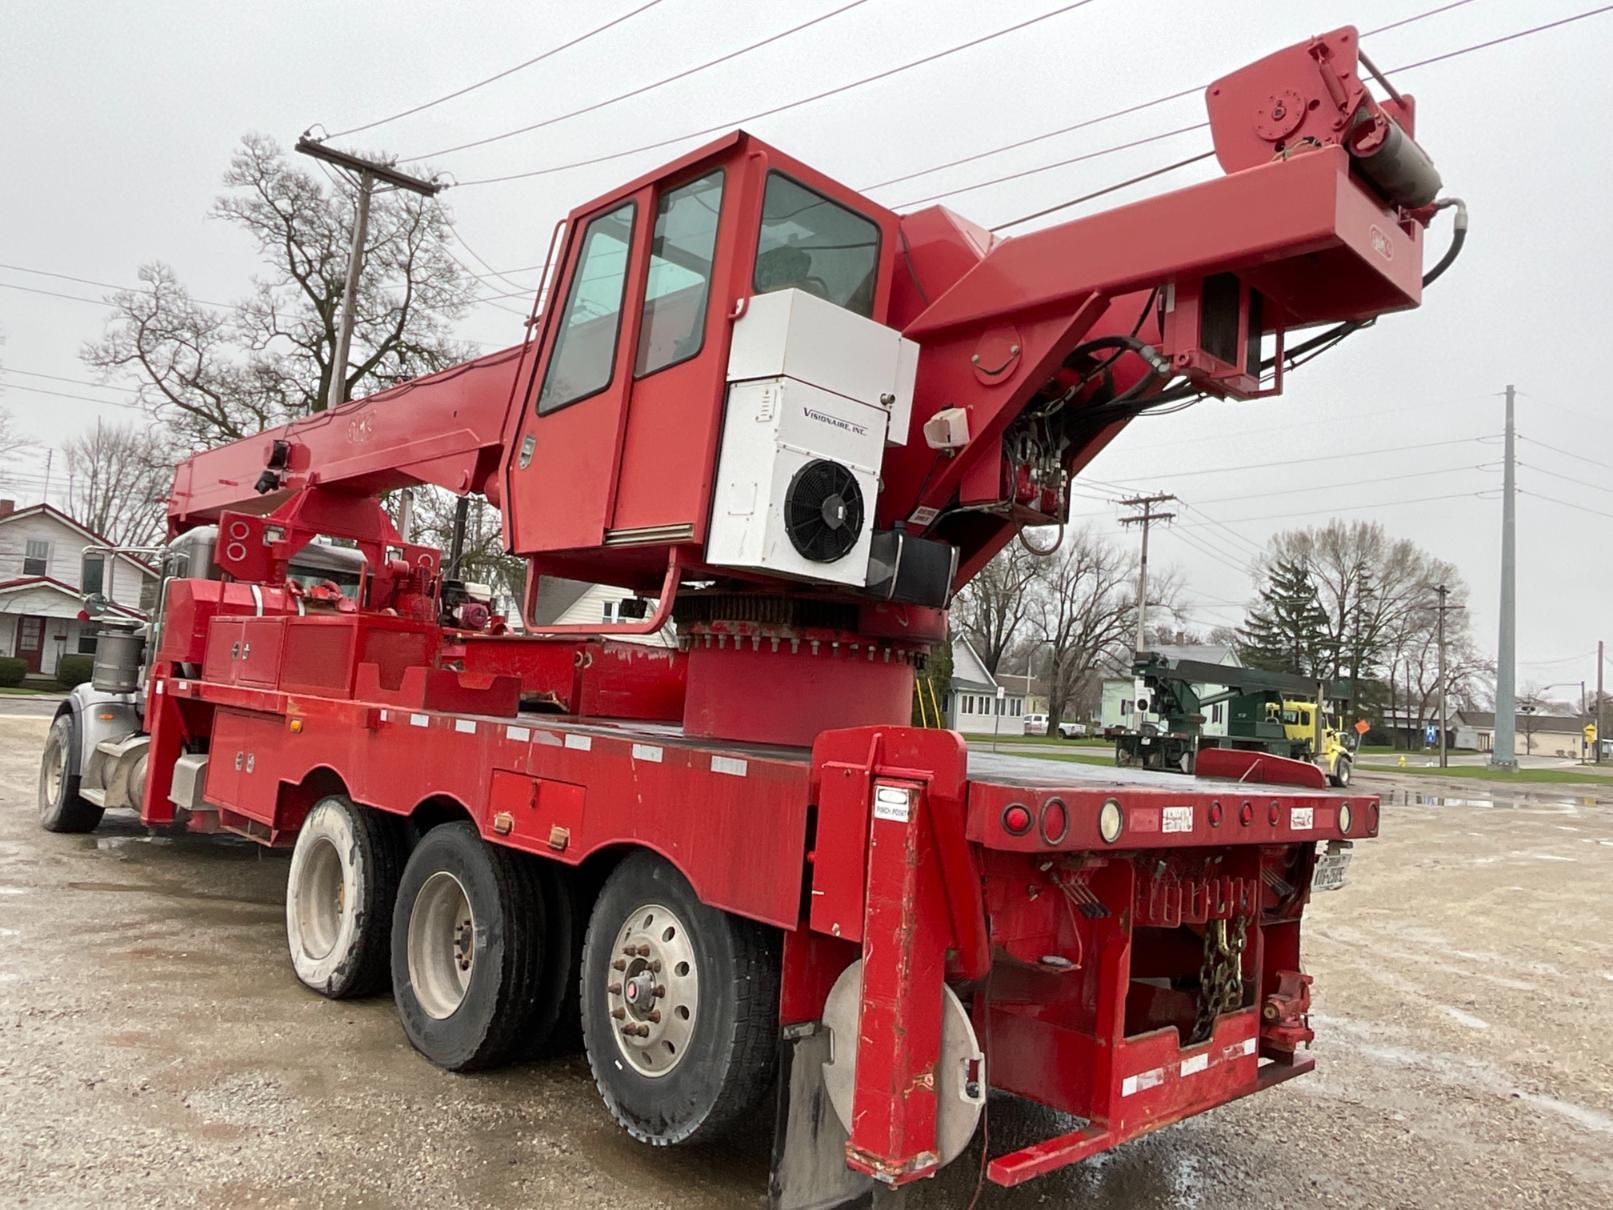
(814, 393)
(797, 482)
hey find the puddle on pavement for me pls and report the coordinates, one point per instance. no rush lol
(1513, 802)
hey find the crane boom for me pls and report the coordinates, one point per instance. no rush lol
(443, 429)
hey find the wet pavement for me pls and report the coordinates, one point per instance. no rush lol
(155, 1048)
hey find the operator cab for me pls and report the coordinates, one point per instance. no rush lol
(716, 385)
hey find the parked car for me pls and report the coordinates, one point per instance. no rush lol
(1072, 730)
(1036, 724)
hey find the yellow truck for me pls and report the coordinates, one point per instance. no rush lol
(1272, 712)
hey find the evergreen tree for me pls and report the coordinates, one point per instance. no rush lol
(1287, 630)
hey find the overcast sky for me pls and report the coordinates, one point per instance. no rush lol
(120, 118)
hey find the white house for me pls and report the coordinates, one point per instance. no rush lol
(564, 602)
(972, 703)
(1120, 693)
(41, 550)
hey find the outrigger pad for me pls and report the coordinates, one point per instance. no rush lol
(809, 1143)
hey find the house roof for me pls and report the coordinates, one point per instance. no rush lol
(969, 671)
(1484, 720)
(25, 582)
(93, 538)
(1209, 653)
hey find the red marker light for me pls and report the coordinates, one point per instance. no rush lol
(1016, 819)
(1215, 814)
(1246, 813)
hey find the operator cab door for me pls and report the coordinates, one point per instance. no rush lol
(634, 349)
(566, 465)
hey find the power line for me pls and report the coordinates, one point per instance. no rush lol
(1089, 155)
(1111, 115)
(90, 281)
(1146, 176)
(1607, 466)
(1566, 504)
(1522, 33)
(116, 403)
(83, 382)
(1567, 478)
(769, 112)
(1314, 512)
(1227, 529)
(508, 71)
(99, 302)
(1202, 544)
(1319, 487)
(641, 90)
(1260, 466)
(1087, 197)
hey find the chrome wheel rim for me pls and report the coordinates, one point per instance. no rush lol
(55, 766)
(321, 899)
(442, 945)
(653, 990)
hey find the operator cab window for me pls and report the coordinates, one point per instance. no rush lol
(675, 297)
(810, 243)
(584, 355)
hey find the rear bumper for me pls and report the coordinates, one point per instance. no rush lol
(1180, 1085)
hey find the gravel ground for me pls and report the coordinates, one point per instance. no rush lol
(156, 1050)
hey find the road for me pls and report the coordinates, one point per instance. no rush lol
(155, 1049)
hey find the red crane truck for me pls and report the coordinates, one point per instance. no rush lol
(792, 423)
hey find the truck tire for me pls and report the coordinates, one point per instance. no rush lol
(467, 948)
(681, 1032)
(60, 807)
(556, 1025)
(339, 895)
(1340, 777)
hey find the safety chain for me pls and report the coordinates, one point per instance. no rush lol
(1220, 976)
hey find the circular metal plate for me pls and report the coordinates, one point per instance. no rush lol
(960, 1076)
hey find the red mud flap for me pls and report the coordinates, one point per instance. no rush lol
(1017, 1167)
(1259, 768)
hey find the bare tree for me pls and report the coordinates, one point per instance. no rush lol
(117, 477)
(217, 374)
(1085, 606)
(12, 442)
(991, 608)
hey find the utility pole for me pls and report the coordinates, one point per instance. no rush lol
(1444, 592)
(1145, 518)
(1599, 667)
(1505, 755)
(366, 173)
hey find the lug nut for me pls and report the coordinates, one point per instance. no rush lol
(660, 990)
(655, 967)
(618, 1013)
(618, 965)
(643, 951)
(614, 989)
(655, 1015)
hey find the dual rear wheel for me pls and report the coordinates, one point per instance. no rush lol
(492, 955)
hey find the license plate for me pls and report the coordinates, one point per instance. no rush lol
(1330, 868)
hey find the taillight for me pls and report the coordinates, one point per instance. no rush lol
(1016, 819)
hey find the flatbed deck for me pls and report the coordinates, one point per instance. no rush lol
(997, 768)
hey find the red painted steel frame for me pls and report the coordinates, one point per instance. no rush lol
(876, 843)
